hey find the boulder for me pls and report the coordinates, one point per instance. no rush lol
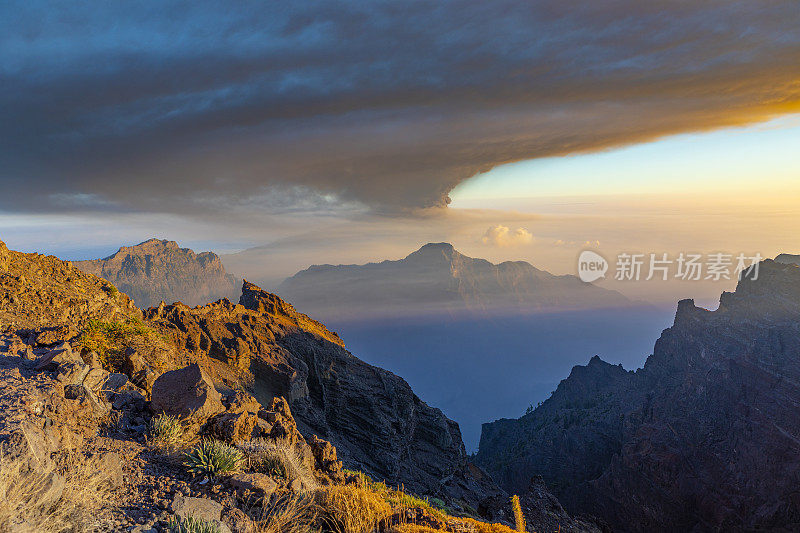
(59, 354)
(238, 521)
(92, 359)
(136, 368)
(279, 422)
(129, 399)
(233, 427)
(205, 508)
(72, 372)
(187, 393)
(53, 335)
(241, 402)
(256, 484)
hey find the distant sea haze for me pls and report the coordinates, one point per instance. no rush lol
(479, 340)
(478, 367)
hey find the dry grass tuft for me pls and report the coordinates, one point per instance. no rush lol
(519, 518)
(278, 458)
(288, 514)
(352, 508)
(165, 433)
(465, 525)
(46, 501)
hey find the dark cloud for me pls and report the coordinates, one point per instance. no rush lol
(176, 107)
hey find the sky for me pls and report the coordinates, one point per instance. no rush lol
(333, 132)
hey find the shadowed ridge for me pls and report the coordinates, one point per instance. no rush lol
(700, 433)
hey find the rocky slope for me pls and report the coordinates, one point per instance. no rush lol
(705, 437)
(63, 402)
(372, 416)
(438, 278)
(159, 270)
(50, 300)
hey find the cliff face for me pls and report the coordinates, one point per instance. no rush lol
(705, 437)
(159, 270)
(372, 416)
(438, 278)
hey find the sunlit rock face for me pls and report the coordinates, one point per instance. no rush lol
(705, 437)
(372, 416)
(159, 270)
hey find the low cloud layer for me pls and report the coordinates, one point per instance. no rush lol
(503, 236)
(201, 108)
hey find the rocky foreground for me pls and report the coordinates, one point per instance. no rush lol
(706, 437)
(226, 416)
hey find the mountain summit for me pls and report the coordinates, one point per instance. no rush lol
(437, 277)
(157, 270)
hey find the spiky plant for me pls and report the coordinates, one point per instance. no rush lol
(192, 525)
(519, 518)
(212, 458)
(165, 430)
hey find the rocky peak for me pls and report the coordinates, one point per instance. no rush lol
(159, 270)
(434, 251)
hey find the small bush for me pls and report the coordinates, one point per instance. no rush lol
(112, 291)
(110, 339)
(212, 458)
(165, 431)
(192, 525)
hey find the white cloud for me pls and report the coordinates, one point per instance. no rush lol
(499, 235)
(585, 244)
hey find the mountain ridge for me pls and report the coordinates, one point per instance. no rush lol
(437, 277)
(158, 270)
(703, 437)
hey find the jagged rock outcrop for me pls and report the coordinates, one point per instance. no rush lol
(159, 270)
(372, 416)
(438, 278)
(705, 437)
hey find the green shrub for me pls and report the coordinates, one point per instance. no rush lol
(112, 291)
(192, 525)
(109, 339)
(165, 430)
(212, 458)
